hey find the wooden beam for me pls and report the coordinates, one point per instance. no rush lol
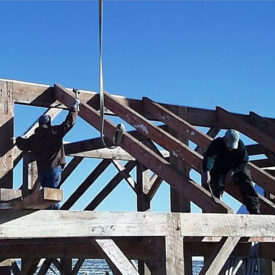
(106, 153)
(263, 124)
(174, 249)
(77, 266)
(121, 168)
(35, 224)
(217, 225)
(134, 248)
(255, 149)
(112, 184)
(266, 206)
(86, 184)
(175, 122)
(115, 255)
(30, 174)
(38, 94)
(143, 179)
(85, 145)
(203, 140)
(266, 250)
(6, 134)
(216, 262)
(167, 141)
(7, 194)
(147, 157)
(40, 199)
(263, 163)
(154, 185)
(246, 128)
(29, 266)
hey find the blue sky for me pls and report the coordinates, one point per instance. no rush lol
(201, 54)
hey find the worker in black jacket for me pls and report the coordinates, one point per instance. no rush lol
(46, 145)
(225, 160)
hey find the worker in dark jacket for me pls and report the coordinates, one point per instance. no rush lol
(225, 160)
(46, 145)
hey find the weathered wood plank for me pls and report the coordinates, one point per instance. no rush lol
(100, 168)
(115, 255)
(7, 194)
(246, 128)
(40, 199)
(106, 153)
(175, 122)
(230, 225)
(174, 248)
(6, 134)
(216, 262)
(64, 224)
(263, 124)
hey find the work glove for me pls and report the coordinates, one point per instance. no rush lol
(205, 179)
(76, 104)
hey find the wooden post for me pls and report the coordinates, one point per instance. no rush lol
(66, 266)
(174, 248)
(178, 202)
(143, 179)
(6, 134)
(29, 173)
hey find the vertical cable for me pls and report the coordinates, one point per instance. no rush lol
(101, 94)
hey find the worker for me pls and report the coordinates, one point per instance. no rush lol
(226, 160)
(46, 145)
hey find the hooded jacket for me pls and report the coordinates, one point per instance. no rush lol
(46, 144)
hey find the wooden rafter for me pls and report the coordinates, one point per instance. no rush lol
(151, 160)
(247, 128)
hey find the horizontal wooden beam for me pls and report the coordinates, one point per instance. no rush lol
(229, 225)
(66, 224)
(41, 95)
(40, 199)
(9, 194)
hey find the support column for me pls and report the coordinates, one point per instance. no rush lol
(174, 249)
(143, 178)
(6, 134)
(30, 174)
(178, 202)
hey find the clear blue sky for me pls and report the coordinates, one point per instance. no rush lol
(202, 54)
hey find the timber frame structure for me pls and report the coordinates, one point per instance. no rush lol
(162, 243)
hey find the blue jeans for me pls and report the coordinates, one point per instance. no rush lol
(51, 178)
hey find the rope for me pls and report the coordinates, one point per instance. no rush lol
(101, 94)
